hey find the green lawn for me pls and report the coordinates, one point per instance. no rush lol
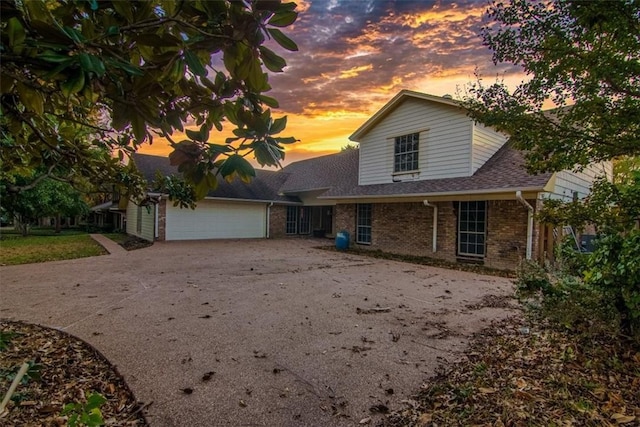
(15, 249)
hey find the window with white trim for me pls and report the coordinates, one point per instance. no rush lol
(363, 223)
(472, 228)
(405, 152)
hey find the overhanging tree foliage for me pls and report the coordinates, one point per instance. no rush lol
(582, 55)
(80, 76)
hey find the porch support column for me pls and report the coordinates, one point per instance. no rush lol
(529, 222)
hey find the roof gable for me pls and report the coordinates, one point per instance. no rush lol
(393, 104)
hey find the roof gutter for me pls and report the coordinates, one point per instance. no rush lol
(529, 222)
(437, 194)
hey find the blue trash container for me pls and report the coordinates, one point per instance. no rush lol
(342, 240)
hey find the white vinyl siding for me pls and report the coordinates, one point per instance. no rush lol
(216, 220)
(445, 142)
(486, 142)
(568, 182)
(146, 220)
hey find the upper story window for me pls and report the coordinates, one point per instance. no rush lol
(406, 153)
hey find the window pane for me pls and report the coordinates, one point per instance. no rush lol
(471, 228)
(406, 152)
(363, 223)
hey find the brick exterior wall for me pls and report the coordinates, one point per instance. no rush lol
(277, 221)
(406, 228)
(506, 233)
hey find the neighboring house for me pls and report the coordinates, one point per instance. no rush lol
(427, 180)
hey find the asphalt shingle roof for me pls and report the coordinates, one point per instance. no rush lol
(339, 172)
(265, 186)
(334, 171)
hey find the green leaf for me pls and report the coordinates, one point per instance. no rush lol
(236, 164)
(51, 56)
(268, 155)
(97, 65)
(278, 125)
(32, 99)
(219, 148)
(287, 140)
(282, 40)
(127, 67)
(231, 112)
(201, 135)
(73, 34)
(271, 60)
(73, 84)
(16, 34)
(113, 30)
(123, 7)
(256, 78)
(95, 400)
(139, 127)
(283, 18)
(271, 102)
(194, 63)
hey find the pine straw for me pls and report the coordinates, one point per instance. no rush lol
(68, 369)
(516, 376)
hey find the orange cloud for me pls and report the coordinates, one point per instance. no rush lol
(355, 71)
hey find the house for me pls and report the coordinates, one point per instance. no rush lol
(426, 180)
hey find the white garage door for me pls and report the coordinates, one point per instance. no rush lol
(216, 220)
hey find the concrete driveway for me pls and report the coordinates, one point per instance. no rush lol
(295, 335)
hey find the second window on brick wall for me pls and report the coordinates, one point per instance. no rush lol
(472, 228)
(363, 223)
(406, 153)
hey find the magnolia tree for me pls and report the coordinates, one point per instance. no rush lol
(85, 82)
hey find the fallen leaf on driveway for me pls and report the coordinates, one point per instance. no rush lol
(379, 408)
(622, 418)
(187, 390)
(207, 376)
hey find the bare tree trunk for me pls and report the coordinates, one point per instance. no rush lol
(58, 224)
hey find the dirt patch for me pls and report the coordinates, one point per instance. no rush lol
(63, 370)
(132, 243)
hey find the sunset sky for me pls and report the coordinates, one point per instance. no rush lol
(356, 55)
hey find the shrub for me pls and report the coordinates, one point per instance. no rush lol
(614, 270)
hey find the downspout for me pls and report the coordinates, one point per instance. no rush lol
(155, 231)
(435, 223)
(529, 222)
(268, 219)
